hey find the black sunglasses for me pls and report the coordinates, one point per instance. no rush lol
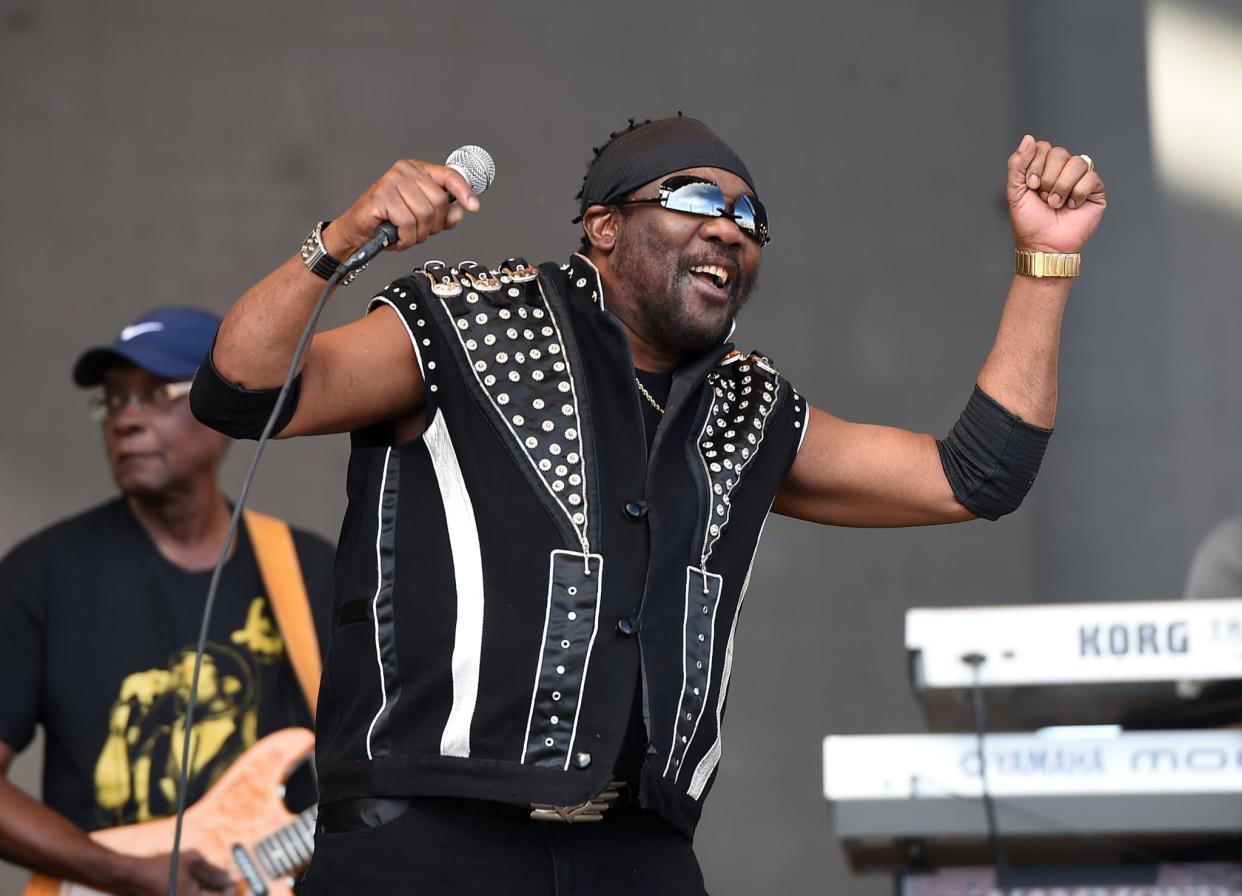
(696, 196)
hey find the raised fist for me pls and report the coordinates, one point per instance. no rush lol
(1055, 201)
(414, 196)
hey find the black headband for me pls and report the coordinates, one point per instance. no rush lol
(642, 154)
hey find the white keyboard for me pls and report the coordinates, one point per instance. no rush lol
(1069, 795)
(1069, 663)
(1099, 643)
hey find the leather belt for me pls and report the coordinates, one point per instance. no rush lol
(592, 810)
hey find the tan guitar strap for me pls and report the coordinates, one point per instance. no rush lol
(282, 576)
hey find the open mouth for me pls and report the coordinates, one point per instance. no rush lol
(136, 456)
(715, 274)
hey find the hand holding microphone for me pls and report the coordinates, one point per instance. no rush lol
(415, 200)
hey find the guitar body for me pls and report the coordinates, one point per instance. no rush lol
(244, 807)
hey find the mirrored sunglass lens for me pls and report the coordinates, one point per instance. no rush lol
(697, 199)
(744, 214)
(760, 217)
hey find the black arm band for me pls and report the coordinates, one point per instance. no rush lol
(991, 457)
(237, 412)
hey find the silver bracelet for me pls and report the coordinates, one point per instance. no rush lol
(317, 260)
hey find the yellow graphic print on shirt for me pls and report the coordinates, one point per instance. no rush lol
(138, 769)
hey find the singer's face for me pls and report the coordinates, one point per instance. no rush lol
(154, 450)
(662, 255)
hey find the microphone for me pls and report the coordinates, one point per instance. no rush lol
(474, 163)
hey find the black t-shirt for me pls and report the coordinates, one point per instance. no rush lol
(630, 760)
(658, 386)
(97, 637)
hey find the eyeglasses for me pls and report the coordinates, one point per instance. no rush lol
(695, 196)
(156, 400)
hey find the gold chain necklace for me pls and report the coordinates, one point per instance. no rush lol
(647, 395)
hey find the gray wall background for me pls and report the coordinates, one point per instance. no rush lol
(172, 153)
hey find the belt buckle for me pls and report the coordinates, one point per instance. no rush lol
(592, 810)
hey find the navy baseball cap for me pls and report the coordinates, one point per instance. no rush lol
(168, 342)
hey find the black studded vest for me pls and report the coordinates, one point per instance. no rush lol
(505, 579)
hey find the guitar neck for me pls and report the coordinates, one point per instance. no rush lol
(240, 824)
(289, 848)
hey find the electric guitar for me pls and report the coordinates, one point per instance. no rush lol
(241, 824)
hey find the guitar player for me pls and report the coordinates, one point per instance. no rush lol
(99, 615)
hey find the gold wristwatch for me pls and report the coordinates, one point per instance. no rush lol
(1046, 264)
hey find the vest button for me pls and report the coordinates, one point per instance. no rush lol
(582, 760)
(627, 626)
(636, 510)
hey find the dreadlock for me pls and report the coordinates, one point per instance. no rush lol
(633, 124)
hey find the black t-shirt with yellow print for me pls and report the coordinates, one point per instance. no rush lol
(97, 636)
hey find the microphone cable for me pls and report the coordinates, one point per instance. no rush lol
(975, 661)
(229, 537)
(476, 165)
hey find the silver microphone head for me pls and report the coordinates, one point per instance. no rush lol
(475, 164)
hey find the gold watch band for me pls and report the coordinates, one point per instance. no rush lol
(1046, 264)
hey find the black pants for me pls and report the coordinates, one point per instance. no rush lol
(467, 847)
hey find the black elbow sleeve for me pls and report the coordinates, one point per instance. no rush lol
(235, 411)
(991, 457)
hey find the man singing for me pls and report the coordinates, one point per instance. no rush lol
(558, 482)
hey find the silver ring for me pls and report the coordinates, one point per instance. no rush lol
(1086, 158)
